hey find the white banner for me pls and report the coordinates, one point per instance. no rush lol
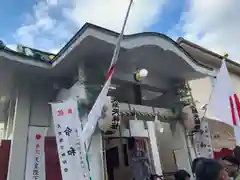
(203, 141)
(96, 112)
(70, 147)
(35, 165)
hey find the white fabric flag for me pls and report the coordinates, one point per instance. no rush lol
(70, 146)
(96, 111)
(224, 105)
(35, 164)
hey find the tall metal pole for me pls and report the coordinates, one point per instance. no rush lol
(120, 37)
(96, 110)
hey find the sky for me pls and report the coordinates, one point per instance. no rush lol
(49, 24)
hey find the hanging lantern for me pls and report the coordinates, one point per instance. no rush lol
(110, 120)
(140, 74)
(190, 118)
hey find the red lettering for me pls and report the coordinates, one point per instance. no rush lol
(38, 136)
(60, 113)
(69, 111)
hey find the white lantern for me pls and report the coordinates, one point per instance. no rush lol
(140, 74)
(143, 73)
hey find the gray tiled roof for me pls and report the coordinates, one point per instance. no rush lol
(37, 57)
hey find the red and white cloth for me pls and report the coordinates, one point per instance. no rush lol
(96, 111)
(224, 105)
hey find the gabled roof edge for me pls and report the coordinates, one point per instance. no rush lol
(220, 57)
(109, 32)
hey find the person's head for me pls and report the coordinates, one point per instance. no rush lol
(182, 175)
(195, 162)
(231, 165)
(236, 153)
(210, 169)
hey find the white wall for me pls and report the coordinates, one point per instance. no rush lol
(40, 111)
(77, 91)
(40, 114)
(201, 90)
(18, 149)
(236, 83)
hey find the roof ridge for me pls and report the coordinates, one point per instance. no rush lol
(183, 40)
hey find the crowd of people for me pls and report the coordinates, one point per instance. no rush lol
(222, 168)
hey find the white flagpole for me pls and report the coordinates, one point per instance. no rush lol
(120, 37)
(96, 110)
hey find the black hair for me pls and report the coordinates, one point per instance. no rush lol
(195, 162)
(236, 150)
(208, 169)
(231, 159)
(236, 153)
(181, 175)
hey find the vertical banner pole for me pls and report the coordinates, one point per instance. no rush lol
(96, 110)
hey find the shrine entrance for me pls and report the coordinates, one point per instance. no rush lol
(138, 157)
(141, 145)
(127, 158)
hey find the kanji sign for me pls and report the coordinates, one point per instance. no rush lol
(69, 111)
(38, 136)
(60, 113)
(35, 167)
(68, 131)
(67, 123)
